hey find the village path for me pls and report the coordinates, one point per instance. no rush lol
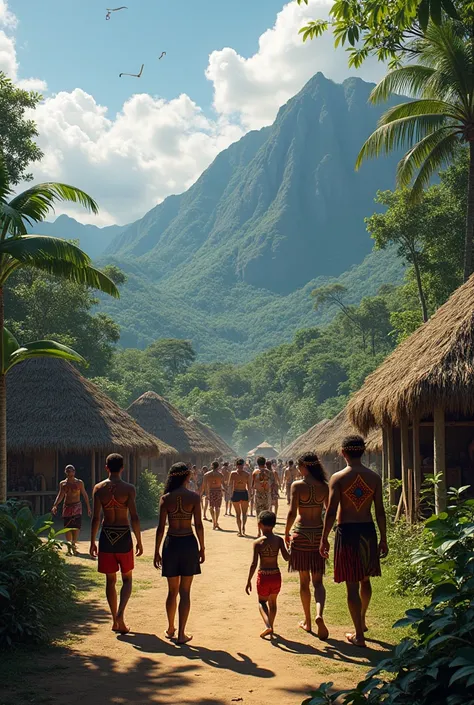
(226, 662)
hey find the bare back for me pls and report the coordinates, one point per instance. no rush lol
(309, 497)
(180, 507)
(357, 488)
(239, 480)
(117, 499)
(268, 548)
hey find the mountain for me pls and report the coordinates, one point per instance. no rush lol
(230, 263)
(92, 239)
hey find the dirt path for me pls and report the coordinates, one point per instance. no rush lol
(226, 661)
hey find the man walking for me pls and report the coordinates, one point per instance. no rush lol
(352, 492)
(116, 500)
(213, 486)
(70, 492)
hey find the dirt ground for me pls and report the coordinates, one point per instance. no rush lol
(226, 662)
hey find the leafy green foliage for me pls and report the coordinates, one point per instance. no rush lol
(436, 665)
(174, 356)
(149, 492)
(33, 579)
(18, 132)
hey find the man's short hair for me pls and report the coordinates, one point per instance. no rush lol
(261, 460)
(353, 446)
(114, 462)
(291, 462)
(226, 464)
(267, 518)
(240, 461)
(215, 464)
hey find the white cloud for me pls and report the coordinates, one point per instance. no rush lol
(252, 89)
(33, 84)
(155, 147)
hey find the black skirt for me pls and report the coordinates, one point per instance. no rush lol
(180, 556)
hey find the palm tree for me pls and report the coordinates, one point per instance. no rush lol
(437, 121)
(50, 254)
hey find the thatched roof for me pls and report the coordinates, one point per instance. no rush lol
(306, 442)
(224, 448)
(331, 434)
(162, 419)
(435, 365)
(51, 406)
(264, 447)
(325, 438)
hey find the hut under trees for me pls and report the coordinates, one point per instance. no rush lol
(56, 417)
(422, 396)
(305, 443)
(225, 450)
(188, 443)
(265, 449)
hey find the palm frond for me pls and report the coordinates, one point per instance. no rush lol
(423, 106)
(34, 249)
(439, 155)
(37, 201)
(43, 348)
(10, 345)
(11, 221)
(417, 155)
(5, 189)
(86, 275)
(407, 80)
(395, 134)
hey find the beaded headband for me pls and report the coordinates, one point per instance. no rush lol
(361, 447)
(175, 473)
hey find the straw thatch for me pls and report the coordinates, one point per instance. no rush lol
(435, 365)
(263, 448)
(51, 406)
(224, 448)
(308, 441)
(331, 434)
(162, 419)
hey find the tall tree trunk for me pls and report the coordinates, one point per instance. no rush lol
(3, 413)
(470, 216)
(419, 284)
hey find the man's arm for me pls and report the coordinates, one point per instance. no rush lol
(292, 512)
(253, 568)
(135, 521)
(198, 525)
(59, 498)
(381, 518)
(160, 532)
(86, 498)
(331, 514)
(96, 507)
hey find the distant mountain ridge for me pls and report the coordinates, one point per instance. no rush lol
(92, 239)
(231, 262)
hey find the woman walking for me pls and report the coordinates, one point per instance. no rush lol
(182, 558)
(309, 497)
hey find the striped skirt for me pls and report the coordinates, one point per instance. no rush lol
(304, 549)
(356, 552)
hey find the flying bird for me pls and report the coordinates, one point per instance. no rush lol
(114, 9)
(163, 53)
(135, 75)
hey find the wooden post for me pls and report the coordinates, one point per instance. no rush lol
(440, 458)
(384, 456)
(93, 471)
(416, 467)
(405, 453)
(391, 463)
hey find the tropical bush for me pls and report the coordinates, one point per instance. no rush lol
(149, 492)
(33, 580)
(435, 666)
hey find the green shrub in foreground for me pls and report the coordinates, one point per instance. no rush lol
(34, 583)
(436, 665)
(149, 492)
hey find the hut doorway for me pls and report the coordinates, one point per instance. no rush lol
(83, 466)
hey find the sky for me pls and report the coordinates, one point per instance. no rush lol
(229, 66)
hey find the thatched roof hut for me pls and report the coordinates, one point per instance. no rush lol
(157, 416)
(224, 448)
(331, 434)
(265, 449)
(55, 415)
(426, 385)
(308, 441)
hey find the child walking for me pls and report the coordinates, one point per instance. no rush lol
(267, 549)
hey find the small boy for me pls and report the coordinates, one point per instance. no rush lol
(267, 549)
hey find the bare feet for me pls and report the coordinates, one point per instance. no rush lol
(120, 626)
(169, 633)
(183, 639)
(352, 639)
(323, 631)
(305, 627)
(266, 632)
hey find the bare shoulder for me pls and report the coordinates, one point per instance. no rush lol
(338, 476)
(62, 483)
(260, 541)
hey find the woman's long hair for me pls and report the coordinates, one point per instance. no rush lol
(314, 467)
(178, 474)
